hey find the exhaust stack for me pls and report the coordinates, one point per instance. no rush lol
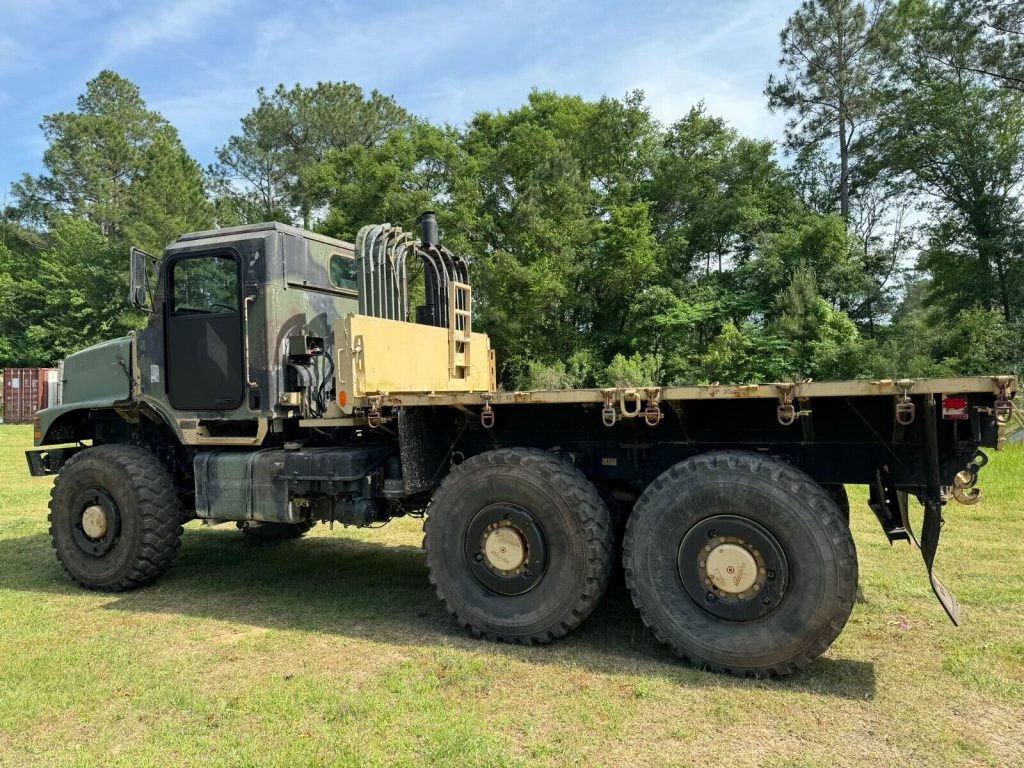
(428, 227)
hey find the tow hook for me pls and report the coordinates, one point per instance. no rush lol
(963, 489)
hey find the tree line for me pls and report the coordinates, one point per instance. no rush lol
(883, 238)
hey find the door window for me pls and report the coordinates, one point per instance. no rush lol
(205, 286)
(343, 273)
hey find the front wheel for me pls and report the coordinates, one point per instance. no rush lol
(115, 517)
(741, 563)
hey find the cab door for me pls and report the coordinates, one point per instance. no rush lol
(205, 370)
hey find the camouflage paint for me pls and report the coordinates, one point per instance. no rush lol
(285, 270)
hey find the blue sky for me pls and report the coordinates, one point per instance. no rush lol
(199, 62)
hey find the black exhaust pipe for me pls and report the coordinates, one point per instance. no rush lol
(428, 226)
(428, 313)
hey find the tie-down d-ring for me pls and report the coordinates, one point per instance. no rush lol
(630, 396)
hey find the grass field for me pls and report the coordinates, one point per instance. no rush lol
(333, 651)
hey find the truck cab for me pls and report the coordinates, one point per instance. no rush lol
(214, 360)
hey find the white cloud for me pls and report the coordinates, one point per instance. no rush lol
(15, 57)
(200, 61)
(160, 23)
(725, 67)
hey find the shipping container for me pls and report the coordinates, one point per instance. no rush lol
(27, 390)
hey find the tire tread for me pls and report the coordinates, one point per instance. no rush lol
(159, 513)
(576, 490)
(796, 482)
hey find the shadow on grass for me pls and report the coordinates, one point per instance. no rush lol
(380, 593)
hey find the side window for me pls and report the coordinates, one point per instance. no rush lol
(207, 285)
(343, 273)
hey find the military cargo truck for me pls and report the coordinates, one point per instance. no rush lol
(286, 379)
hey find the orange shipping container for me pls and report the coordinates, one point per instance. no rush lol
(27, 390)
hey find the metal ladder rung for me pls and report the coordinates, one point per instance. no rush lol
(460, 328)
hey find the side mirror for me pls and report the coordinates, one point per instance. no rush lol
(140, 293)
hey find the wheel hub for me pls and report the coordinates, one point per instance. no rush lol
(506, 549)
(733, 567)
(95, 522)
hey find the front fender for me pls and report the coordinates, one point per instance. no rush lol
(97, 377)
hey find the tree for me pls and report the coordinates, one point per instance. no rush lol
(20, 250)
(109, 161)
(406, 174)
(637, 370)
(830, 55)
(551, 212)
(957, 140)
(992, 30)
(745, 354)
(822, 244)
(167, 199)
(825, 343)
(8, 309)
(924, 340)
(266, 169)
(715, 193)
(73, 295)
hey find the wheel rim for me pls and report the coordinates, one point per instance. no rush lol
(733, 568)
(95, 522)
(505, 549)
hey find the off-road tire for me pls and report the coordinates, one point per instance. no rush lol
(838, 494)
(150, 517)
(274, 533)
(574, 521)
(793, 508)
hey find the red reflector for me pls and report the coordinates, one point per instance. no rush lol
(954, 408)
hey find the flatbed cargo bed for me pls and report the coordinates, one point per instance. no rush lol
(806, 389)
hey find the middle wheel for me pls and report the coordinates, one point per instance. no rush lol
(519, 545)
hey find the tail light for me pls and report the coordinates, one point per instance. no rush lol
(955, 408)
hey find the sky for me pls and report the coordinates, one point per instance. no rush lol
(199, 62)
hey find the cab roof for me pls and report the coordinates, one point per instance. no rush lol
(266, 226)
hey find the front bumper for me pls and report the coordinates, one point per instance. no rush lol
(49, 461)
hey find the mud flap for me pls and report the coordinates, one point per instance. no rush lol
(931, 529)
(932, 525)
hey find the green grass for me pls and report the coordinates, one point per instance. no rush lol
(333, 651)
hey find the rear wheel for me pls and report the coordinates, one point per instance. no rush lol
(838, 494)
(740, 563)
(519, 545)
(115, 517)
